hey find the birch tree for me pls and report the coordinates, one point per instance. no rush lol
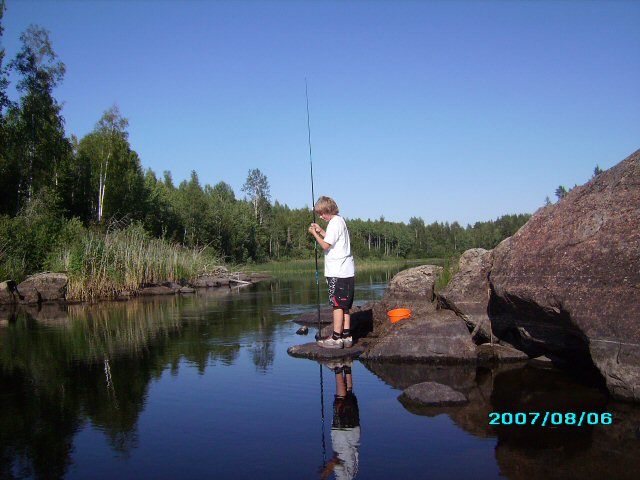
(110, 134)
(257, 189)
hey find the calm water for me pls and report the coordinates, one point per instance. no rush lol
(202, 387)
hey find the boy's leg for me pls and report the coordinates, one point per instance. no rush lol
(347, 321)
(339, 320)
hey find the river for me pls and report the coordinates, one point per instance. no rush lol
(201, 386)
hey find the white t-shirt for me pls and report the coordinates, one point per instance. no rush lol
(338, 261)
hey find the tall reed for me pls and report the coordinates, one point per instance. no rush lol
(103, 265)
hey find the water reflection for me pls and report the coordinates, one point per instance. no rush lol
(61, 366)
(526, 451)
(345, 426)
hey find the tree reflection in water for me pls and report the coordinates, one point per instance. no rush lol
(61, 366)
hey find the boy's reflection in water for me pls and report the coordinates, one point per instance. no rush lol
(345, 428)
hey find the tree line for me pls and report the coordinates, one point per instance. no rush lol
(54, 186)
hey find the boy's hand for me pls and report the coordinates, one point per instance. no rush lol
(317, 228)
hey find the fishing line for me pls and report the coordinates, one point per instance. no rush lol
(313, 208)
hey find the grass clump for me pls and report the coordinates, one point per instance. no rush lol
(105, 264)
(449, 268)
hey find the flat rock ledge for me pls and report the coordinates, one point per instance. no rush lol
(433, 394)
(495, 353)
(314, 352)
(440, 337)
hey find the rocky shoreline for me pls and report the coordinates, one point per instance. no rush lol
(49, 287)
(563, 291)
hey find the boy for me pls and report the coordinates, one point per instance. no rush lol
(339, 269)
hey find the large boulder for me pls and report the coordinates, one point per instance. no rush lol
(568, 282)
(436, 337)
(412, 288)
(6, 292)
(415, 283)
(468, 292)
(43, 287)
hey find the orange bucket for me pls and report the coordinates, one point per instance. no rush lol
(398, 314)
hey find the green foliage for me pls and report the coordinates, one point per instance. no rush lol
(449, 269)
(35, 142)
(597, 171)
(257, 188)
(561, 192)
(27, 240)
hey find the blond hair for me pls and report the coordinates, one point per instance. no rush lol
(327, 205)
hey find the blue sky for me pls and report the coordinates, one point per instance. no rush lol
(447, 110)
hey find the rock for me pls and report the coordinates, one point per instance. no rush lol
(315, 352)
(172, 285)
(568, 282)
(468, 292)
(208, 281)
(361, 324)
(361, 320)
(239, 277)
(310, 319)
(488, 353)
(259, 277)
(435, 337)
(158, 290)
(433, 394)
(43, 287)
(302, 331)
(184, 290)
(415, 283)
(6, 292)
(543, 361)
(413, 289)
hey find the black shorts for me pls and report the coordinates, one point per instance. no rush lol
(341, 292)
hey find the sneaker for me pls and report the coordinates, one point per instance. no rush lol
(347, 341)
(330, 343)
(337, 366)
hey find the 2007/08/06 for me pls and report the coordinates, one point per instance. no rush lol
(550, 418)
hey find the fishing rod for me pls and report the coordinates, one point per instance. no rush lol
(313, 208)
(318, 335)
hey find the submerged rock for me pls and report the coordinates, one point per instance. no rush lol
(433, 394)
(568, 282)
(302, 331)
